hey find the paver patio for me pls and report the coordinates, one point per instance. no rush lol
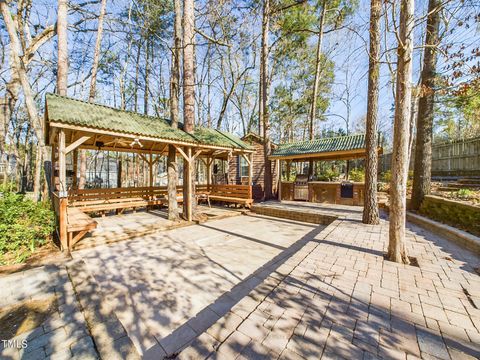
(158, 282)
(338, 298)
(253, 287)
(63, 334)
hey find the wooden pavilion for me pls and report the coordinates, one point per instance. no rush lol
(325, 149)
(73, 124)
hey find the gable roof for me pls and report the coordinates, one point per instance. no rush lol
(69, 111)
(312, 148)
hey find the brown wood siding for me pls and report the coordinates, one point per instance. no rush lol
(258, 171)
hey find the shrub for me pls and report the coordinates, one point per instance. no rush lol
(24, 226)
(357, 175)
(465, 193)
(329, 175)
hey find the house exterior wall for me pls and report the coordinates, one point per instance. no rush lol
(258, 169)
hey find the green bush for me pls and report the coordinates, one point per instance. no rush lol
(329, 175)
(24, 226)
(357, 175)
(465, 193)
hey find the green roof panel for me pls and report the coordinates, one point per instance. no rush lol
(340, 143)
(75, 112)
(79, 113)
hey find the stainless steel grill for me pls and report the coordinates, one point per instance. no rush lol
(300, 188)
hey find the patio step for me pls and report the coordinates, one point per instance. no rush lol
(102, 236)
(304, 215)
(108, 237)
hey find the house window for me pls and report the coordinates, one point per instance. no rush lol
(243, 166)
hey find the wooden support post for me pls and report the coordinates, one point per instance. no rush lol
(209, 172)
(53, 186)
(75, 168)
(62, 224)
(62, 172)
(250, 170)
(187, 184)
(119, 172)
(279, 186)
(150, 166)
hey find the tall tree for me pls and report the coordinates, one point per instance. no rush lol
(172, 166)
(93, 86)
(188, 89)
(264, 115)
(370, 208)
(423, 144)
(96, 53)
(316, 83)
(401, 132)
(32, 110)
(62, 33)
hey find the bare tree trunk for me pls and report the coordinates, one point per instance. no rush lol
(396, 247)
(147, 73)
(188, 92)
(423, 146)
(27, 90)
(370, 208)
(172, 166)
(137, 72)
(93, 86)
(62, 68)
(316, 83)
(96, 54)
(264, 116)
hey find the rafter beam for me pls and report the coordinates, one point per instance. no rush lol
(76, 144)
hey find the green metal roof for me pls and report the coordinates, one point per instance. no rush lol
(318, 146)
(215, 137)
(74, 112)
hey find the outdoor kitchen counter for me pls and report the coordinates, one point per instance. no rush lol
(328, 192)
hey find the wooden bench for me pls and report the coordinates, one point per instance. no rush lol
(101, 200)
(236, 194)
(78, 224)
(120, 199)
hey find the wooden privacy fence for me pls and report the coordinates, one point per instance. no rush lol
(450, 158)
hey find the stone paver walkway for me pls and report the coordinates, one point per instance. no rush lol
(338, 298)
(63, 334)
(167, 288)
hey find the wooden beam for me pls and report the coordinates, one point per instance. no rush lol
(198, 152)
(75, 168)
(144, 158)
(62, 173)
(54, 124)
(209, 172)
(185, 156)
(279, 183)
(187, 185)
(52, 175)
(150, 165)
(53, 134)
(250, 170)
(76, 144)
(246, 158)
